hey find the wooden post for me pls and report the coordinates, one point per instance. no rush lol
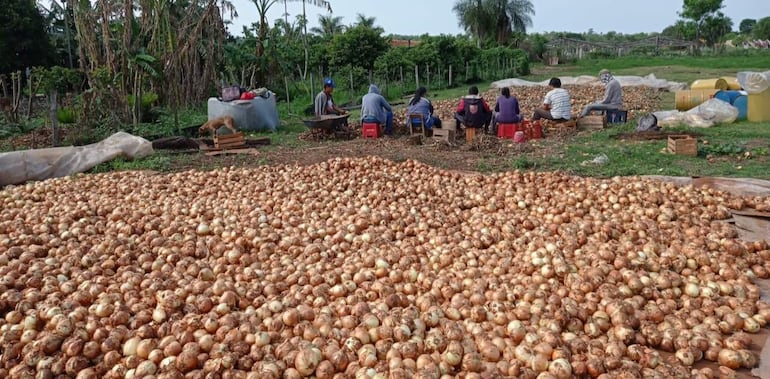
(416, 77)
(401, 70)
(31, 92)
(351, 83)
(467, 70)
(288, 97)
(54, 120)
(312, 85)
(371, 77)
(450, 75)
(427, 78)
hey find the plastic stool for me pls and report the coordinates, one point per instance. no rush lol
(616, 116)
(507, 130)
(370, 130)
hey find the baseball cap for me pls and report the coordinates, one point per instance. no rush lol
(329, 82)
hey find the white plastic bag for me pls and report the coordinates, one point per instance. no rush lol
(754, 82)
(717, 111)
(260, 113)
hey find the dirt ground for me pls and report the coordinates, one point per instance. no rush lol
(487, 154)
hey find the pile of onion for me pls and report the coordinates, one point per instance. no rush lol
(367, 268)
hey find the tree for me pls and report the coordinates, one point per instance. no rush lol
(328, 26)
(746, 25)
(715, 28)
(512, 16)
(762, 29)
(23, 38)
(698, 11)
(318, 3)
(682, 29)
(358, 46)
(474, 18)
(494, 19)
(367, 22)
(263, 6)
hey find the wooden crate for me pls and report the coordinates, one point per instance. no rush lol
(229, 141)
(683, 145)
(443, 134)
(591, 123)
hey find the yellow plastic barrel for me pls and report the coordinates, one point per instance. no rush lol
(732, 83)
(709, 84)
(689, 99)
(758, 107)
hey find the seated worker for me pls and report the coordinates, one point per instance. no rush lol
(324, 103)
(506, 109)
(374, 108)
(556, 105)
(613, 95)
(473, 111)
(420, 104)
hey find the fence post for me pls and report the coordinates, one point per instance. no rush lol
(450, 76)
(467, 70)
(312, 85)
(288, 97)
(351, 83)
(401, 70)
(427, 78)
(416, 76)
(371, 78)
(54, 120)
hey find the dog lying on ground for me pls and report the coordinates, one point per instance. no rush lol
(214, 124)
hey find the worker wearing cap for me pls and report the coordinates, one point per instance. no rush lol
(613, 95)
(324, 102)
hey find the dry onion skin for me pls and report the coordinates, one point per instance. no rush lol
(365, 268)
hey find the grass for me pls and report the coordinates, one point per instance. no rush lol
(648, 158)
(682, 69)
(160, 161)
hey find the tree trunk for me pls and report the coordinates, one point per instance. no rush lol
(106, 37)
(67, 34)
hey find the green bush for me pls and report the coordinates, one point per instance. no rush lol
(65, 115)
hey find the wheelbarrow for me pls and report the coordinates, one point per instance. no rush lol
(333, 125)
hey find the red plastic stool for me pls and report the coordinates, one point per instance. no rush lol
(370, 130)
(507, 130)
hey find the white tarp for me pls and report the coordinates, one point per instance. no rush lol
(17, 167)
(706, 115)
(625, 81)
(754, 82)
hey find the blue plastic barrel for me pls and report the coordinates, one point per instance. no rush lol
(727, 96)
(741, 102)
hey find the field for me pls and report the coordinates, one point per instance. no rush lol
(381, 259)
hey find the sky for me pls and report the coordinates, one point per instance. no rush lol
(417, 17)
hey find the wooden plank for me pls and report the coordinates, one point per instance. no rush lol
(249, 151)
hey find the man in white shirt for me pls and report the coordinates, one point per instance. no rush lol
(556, 105)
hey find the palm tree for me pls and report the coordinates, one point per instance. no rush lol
(328, 26)
(319, 3)
(474, 18)
(362, 20)
(512, 16)
(263, 6)
(494, 18)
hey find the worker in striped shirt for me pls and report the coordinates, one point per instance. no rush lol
(556, 105)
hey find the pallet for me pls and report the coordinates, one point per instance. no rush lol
(229, 141)
(683, 145)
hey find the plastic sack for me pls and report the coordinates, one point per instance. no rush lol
(676, 118)
(717, 111)
(754, 82)
(259, 114)
(625, 81)
(17, 167)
